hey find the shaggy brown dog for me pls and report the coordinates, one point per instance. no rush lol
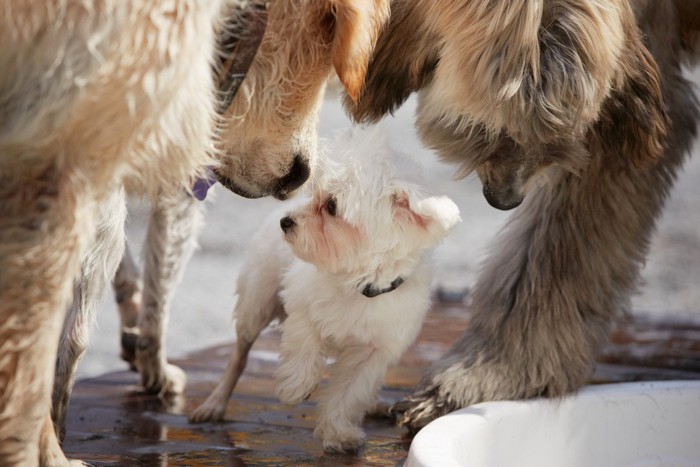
(593, 91)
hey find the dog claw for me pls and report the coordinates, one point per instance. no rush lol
(420, 408)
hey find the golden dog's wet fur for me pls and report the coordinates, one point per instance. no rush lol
(587, 93)
(265, 145)
(91, 94)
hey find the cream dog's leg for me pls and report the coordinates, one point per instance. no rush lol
(128, 288)
(97, 269)
(175, 222)
(50, 452)
(46, 222)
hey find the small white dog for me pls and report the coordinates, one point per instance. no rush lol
(353, 285)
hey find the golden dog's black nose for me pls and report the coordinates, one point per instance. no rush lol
(298, 174)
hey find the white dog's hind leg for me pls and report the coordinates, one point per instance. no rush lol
(355, 379)
(128, 287)
(175, 222)
(258, 305)
(97, 269)
(213, 409)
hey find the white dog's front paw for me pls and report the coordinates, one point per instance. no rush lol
(292, 391)
(295, 383)
(340, 439)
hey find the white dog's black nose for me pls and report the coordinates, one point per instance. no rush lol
(287, 223)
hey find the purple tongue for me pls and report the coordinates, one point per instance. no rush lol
(201, 186)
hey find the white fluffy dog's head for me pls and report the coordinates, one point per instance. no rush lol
(364, 221)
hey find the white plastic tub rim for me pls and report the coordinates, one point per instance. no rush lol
(644, 424)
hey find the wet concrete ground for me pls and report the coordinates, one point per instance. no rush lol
(112, 423)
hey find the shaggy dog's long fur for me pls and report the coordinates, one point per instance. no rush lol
(592, 92)
(266, 146)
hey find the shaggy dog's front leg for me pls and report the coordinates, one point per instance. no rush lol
(175, 222)
(45, 224)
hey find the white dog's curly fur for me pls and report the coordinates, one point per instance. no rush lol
(354, 284)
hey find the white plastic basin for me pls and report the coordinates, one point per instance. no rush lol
(632, 424)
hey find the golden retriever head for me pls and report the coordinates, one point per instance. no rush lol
(508, 87)
(268, 135)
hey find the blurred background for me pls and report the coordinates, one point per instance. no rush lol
(201, 310)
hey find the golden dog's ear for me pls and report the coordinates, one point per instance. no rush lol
(404, 58)
(357, 25)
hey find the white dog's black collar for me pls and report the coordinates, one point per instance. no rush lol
(370, 291)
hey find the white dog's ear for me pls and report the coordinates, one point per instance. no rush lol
(357, 25)
(435, 215)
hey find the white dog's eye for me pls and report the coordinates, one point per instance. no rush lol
(331, 206)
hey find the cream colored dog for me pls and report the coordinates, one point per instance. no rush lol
(93, 94)
(351, 281)
(266, 145)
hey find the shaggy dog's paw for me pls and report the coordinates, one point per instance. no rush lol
(422, 407)
(463, 378)
(449, 386)
(157, 375)
(209, 411)
(340, 439)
